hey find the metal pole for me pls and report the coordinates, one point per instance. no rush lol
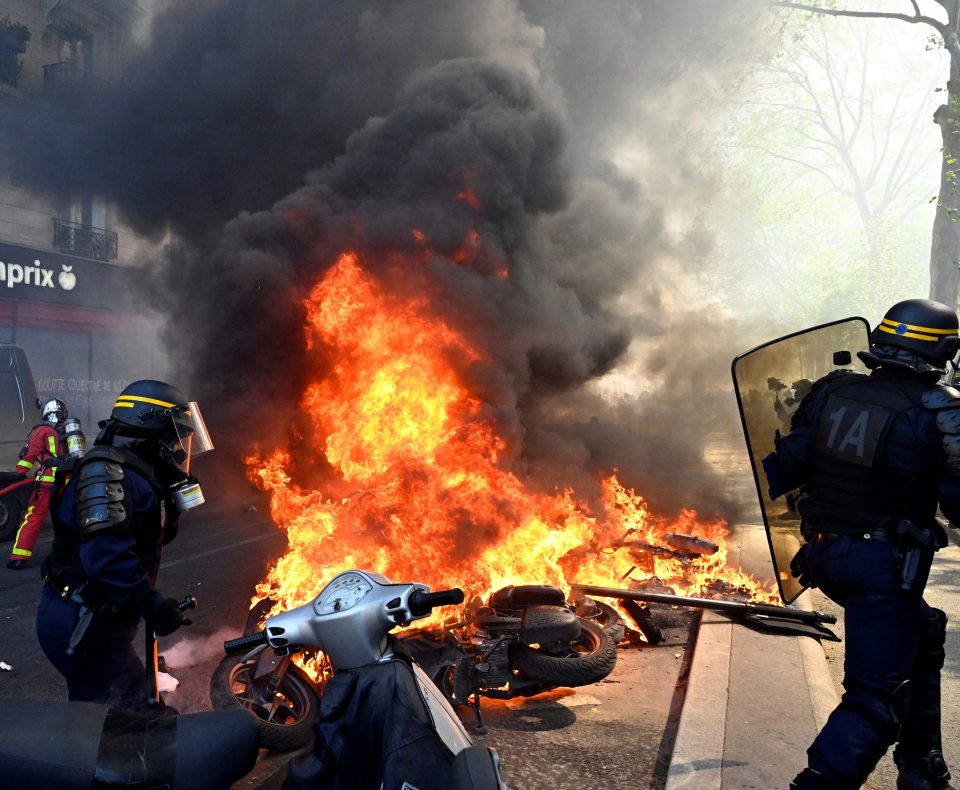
(741, 607)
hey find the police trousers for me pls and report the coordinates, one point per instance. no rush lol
(892, 661)
(110, 672)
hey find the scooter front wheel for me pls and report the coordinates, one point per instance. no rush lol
(285, 718)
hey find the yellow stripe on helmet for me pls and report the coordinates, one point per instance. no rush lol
(911, 335)
(911, 327)
(142, 399)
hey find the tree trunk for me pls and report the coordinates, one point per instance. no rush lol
(945, 247)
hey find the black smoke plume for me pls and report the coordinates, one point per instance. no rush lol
(267, 137)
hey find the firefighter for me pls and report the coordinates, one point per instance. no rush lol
(873, 456)
(111, 521)
(45, 446)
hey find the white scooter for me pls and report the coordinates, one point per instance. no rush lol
(381, 723)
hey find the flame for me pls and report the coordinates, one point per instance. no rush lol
(419, 486)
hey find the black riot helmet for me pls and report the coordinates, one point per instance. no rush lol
(151, 417)
(916, 333)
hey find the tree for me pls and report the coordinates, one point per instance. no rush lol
(14, 38)
(831, 166)
(945, 244)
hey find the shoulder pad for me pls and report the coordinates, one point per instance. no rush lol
(942, 396)
(104, 451)
(99, 496)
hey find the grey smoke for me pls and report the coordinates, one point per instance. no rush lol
(269, 136)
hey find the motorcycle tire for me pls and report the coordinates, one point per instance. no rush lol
(611, 622)
(287, 727)
(588, 659)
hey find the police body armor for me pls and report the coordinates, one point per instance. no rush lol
(852, 488)
(99, 493)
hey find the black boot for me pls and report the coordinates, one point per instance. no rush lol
(924, 773)
(808, 779)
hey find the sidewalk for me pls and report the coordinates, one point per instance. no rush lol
(754, 701)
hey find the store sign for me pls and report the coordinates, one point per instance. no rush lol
(36, 275)
(13, 274)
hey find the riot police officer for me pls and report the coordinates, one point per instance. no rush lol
(873, 456)
(111, 521)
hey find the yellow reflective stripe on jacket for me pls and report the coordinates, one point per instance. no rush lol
(25, 464)
(52, 444)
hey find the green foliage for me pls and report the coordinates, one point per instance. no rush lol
(15, 30)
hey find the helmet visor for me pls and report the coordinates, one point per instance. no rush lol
(193, 438)
(198, 441)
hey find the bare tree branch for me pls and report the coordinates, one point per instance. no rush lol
(915, 19)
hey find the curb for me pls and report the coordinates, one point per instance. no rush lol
(753, 704)
(698, 750)
(711, 719)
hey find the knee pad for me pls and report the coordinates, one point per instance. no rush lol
(884, 711)
(933, 635)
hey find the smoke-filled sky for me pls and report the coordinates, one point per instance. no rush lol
(267, 137)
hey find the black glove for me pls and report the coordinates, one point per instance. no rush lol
(799, 569)
(167, 617)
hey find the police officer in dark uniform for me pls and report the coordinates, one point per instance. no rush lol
(873, 456)
(111, 521)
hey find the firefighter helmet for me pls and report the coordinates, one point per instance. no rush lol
(54, 411)
(926, 328)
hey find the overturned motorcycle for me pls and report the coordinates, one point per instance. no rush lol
(522, 641)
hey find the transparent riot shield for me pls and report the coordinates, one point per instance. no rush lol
(770, 381)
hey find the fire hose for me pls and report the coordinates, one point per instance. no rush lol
(18, 484)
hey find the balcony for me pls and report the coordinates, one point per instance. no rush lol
(67, 75)
(89, 242)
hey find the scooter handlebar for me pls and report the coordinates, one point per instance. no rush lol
(244, 643)
(422, 602)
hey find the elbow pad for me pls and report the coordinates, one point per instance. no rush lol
(944, 401)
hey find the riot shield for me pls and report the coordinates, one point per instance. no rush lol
(770, 381)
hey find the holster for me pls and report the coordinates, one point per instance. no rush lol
(96, 615)
(916, 546)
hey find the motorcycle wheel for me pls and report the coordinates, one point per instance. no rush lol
(585, 660)
(610, 621)
(285, 726)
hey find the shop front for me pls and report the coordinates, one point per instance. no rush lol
(84, 334)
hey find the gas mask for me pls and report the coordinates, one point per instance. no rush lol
(188, 438)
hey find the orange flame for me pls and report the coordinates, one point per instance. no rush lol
(428, 492)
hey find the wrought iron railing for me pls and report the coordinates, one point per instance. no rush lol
(67, 74)
(88, 242)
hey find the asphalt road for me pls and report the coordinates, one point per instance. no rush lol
(615, 734)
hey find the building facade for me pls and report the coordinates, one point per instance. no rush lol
(64, 261)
